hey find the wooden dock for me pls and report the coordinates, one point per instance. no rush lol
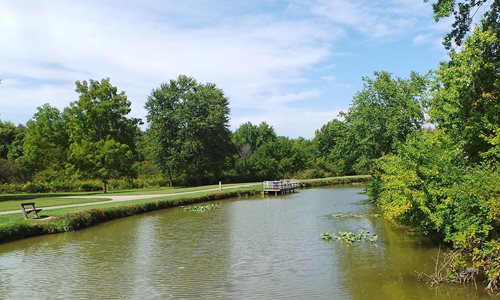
(280, 186)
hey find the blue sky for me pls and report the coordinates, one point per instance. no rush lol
(294, 64)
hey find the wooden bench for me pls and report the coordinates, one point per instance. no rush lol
(28, 208)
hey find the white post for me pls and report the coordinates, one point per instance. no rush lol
(220, 186)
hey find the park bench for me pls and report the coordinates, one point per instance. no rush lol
(28, 208)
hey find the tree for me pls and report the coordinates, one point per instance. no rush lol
(330, 144)
(253, 135)
(46, 141)
(189, 124)
(383, 114)
(7, 136)
(247, 139)
(464, 12)
(9, 173)
(102, 137)
(466, 102)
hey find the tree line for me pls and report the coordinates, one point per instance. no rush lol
(188, 141)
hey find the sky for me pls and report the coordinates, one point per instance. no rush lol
(294, 64)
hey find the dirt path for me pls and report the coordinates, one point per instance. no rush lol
(115, 199)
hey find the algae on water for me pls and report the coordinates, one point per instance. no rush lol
(202, 207)
(350, 237)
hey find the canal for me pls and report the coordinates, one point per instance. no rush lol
(249, 248)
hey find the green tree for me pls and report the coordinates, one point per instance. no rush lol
(9, 173)
(16, 147)
(102, 137)
(247, 139)
(466, 102)
(8, 133)
(383, 114)
(428, 185)
(464, 12)
(330, 144)
(45, 142)
(189, 124)
(253, 135)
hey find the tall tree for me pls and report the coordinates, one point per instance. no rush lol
(248, 137)
(331, 143)
(102, 137)
(189, 123)
(46, 141)
(466, 102)
(383, 114)
(7, 137)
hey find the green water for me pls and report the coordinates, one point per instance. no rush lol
(250, 248)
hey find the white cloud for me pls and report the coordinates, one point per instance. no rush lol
(255, 55)
(59, 42)
(371, 18)
(328, 78)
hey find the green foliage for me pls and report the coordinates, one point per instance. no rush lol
(464, 12)
(7, 137)
(350, 237)
(466, 102)
(331, 144)
(9, 173)
(102, 138)
(202, 208)
(253, 135)
(382, 115)
(428, 186)
(189, 127)
(45, 143)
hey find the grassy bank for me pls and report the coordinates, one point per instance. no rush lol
(13, 226)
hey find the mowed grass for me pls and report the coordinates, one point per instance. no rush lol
(9, 219)
(46, 202)
(12, 202)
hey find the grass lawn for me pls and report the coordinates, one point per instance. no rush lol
(47, 201)
(11, 202)
(6, 220)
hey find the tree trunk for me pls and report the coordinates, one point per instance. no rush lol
(104, 186)
(170, 183)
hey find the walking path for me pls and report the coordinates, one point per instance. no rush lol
(115, 199)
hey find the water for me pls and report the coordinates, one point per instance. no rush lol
(254, 248)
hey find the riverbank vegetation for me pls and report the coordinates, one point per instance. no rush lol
(444, 180)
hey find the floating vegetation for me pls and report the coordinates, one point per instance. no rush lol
(202, 208)
(353, 215)
(350, 237)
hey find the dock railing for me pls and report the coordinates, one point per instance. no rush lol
(280, 185)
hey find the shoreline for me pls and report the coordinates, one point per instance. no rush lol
(92, 216)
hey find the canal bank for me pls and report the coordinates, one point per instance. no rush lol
(69, 219)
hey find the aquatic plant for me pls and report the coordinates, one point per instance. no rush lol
(350, 237)
(202, 207)
(353, 215)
